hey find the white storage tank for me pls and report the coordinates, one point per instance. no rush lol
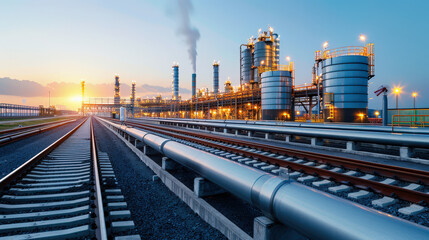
(276, 95)
(123, 114)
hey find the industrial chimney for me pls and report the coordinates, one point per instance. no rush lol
(133, 97)
(194, 84)
(216, 77)
(175, 82)
(117, 96)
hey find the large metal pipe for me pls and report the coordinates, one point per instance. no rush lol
(313, 213)
(309, 125)
(411, 140)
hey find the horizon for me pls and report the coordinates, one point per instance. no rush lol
(140, 41)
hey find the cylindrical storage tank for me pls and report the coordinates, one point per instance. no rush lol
(263, 52)
(123, 114)
(215, 78)
(175, 83)
(345, 88)
(246, 65)
(262, 56)
(194, 84)
(276, 95)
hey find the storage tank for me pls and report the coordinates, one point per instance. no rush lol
(123, 114)
(228, 87)
(345, 88)
(175, 82)
(246, 66)
(276, 95)
(216, 77)
(263, 54)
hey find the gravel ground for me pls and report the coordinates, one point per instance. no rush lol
(157, 212)
(15, 154)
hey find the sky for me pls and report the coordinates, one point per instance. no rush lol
(52, 45)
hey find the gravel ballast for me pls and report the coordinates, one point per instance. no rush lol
(157, 212)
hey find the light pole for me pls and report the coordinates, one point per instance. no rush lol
(397, 91)
(414, 98)
(363, 39)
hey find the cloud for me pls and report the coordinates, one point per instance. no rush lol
(146, 88)
(25, 88)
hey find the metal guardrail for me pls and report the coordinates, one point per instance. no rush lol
(384, 138)
(311, 212)
(411, 120)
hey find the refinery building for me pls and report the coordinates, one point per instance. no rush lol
(267, 90)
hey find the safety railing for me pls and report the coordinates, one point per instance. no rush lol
(345, 51)
(342, 51)
(410, 120)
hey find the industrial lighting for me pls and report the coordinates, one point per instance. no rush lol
(297, 112)
(397, 90)
(361, 116)
(325, 45)
(288, 58)
(362, 38)
(377, 113)
(271, 29)
(414, 98)
(262, 62)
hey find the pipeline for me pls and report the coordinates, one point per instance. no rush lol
(311, 212)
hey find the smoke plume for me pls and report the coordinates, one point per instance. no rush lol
(191, 34)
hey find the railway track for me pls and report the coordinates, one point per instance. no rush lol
(338, 174)
(62, 192)
(11, 135)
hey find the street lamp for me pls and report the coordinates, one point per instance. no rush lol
(362, 38)
(397, 91)
(377, 113)
(414, 96)
(325, 45)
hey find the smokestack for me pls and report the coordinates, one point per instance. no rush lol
(133, 96)
(191, 34)
(216, 77)
(194, 84)
(117, 96)
(175, 81)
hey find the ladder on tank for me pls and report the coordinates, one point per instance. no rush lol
(329, 103)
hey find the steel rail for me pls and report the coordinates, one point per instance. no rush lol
(29, 127)
(24, 168)
(101, 232)
(27, 133)
(406, 174)
(389, 190)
